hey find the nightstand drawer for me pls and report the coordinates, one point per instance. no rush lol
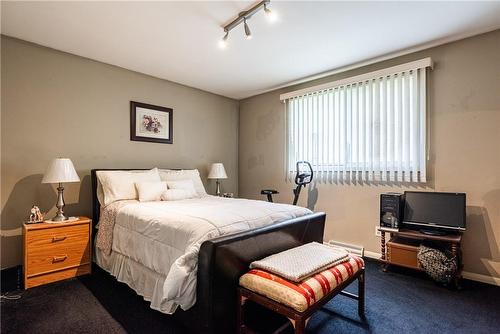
(56, 236)
(57, 257)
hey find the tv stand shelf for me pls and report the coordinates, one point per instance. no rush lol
(413, 234)
(451, 241)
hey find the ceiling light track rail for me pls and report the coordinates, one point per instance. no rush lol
(245, 15)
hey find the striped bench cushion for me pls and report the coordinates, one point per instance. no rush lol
(300, 296)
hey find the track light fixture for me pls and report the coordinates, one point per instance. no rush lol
(270, 14)
(243, 17)
(267, 10)
(248, 33)
(223, 42)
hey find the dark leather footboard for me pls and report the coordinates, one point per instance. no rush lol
(223, 260)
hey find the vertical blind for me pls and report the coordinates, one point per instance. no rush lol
(371, 127)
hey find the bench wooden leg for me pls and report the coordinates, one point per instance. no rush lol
(239, 314)
(300, 326)
(361, 294)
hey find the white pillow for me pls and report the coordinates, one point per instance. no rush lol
(185, 174)
(120, 185)
(100, 192)
(177, 194)
(150, 190)
(186, 185)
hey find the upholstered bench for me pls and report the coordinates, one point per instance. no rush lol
(298, 301)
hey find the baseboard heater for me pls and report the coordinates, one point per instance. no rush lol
(354, 249)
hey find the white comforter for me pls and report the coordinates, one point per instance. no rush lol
(166, 236)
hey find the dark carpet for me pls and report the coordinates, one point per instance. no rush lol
(396, 302)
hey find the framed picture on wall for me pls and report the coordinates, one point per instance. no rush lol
(151, 123)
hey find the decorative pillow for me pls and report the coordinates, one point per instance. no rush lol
(120, 185)
(177, 194)
(150, 190)
(186, 185)
(100, 192)
(185, 174)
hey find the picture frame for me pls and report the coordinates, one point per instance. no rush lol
(150, 123)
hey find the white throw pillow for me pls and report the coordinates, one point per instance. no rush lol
(120, 185)
(177, 194)
(185, 174)
(150, 190)
(100, 192)
(186, 185)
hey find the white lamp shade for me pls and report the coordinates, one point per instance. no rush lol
(60, 170)
(217, 171)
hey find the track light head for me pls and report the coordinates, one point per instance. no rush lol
(248, 33)
(271, 16)
(223, 41)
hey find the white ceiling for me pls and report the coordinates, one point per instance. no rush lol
(178, 41)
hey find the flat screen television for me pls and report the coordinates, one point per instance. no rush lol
(435, 210)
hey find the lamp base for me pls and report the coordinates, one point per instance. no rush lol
(217, 189)
(59, 217)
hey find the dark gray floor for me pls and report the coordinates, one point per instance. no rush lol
(396, 303)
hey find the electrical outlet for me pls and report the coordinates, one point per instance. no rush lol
(377, 231)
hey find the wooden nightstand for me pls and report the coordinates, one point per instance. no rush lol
(56, 251)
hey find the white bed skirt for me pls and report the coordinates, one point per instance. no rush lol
(142, 280)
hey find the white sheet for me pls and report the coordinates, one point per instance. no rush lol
(146, 282)
(166, 236)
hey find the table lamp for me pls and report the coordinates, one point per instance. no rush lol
(60, 170)
(217, 172)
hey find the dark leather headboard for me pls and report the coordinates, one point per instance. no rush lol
(96, 206)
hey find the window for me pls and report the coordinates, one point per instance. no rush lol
(371, 127)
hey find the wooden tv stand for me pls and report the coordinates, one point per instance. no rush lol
(400, 251)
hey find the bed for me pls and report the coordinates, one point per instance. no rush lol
(223, 236)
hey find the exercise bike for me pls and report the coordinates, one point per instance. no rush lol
(303, 176)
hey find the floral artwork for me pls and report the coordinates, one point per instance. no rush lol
(150, 123)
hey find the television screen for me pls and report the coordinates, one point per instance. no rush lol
(445, 210)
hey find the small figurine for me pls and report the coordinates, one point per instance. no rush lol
(35, 216)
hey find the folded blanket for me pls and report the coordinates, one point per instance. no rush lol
(299, 263)
(104, 239)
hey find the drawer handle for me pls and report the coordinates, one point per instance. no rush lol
(56, 239)
(59, 258)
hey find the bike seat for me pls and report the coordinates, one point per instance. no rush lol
(269, 192)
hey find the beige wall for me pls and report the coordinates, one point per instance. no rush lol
(56, 104)
(464, 112)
